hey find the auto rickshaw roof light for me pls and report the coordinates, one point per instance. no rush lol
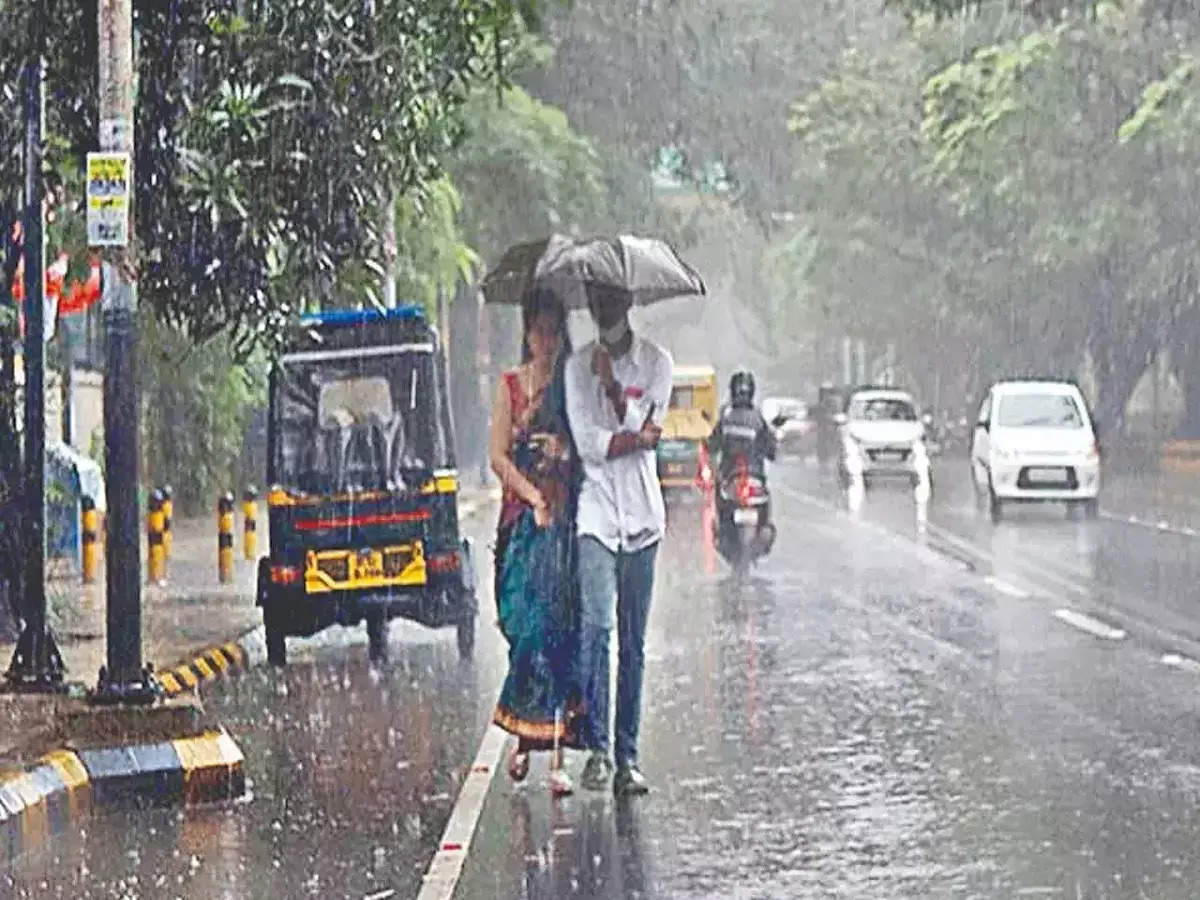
(362, 316)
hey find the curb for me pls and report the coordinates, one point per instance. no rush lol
(215, 662)
(66, 785)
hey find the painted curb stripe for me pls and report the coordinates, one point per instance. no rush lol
(1091, 625)
(138, 775)
(217, 659)
(201, 667)
(65, 786)
(170, 683)
(235, 654)
(69, 768)
(213, 767)
(441, 878)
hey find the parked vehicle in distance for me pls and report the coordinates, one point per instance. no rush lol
(1035, 441)
(690, 419)
(795, 430)
(882, 437)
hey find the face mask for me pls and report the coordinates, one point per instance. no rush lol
(615, 334)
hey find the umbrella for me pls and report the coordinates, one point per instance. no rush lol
(644, 270)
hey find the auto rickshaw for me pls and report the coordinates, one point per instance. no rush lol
(690, 419)
(363, 508)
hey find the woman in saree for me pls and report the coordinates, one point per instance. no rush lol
(531, 453)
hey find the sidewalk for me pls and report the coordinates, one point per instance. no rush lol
(192, 611)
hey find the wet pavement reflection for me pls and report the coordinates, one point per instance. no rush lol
(887, 707)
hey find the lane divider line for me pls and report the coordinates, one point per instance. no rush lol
(446, 867)
(1183, 663)
(1009, 590)
(1161, 526)
(1092, 626)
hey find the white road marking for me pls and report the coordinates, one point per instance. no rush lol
(441, 878)
(1161, 525)
(1086, 623)
(1184, 663)
(1009, 590)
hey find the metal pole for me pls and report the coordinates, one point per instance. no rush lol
(124, 678)
(68, 385)
(36, 663)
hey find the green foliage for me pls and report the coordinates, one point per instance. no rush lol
(196, 403)
(998, 210)
(267, 139)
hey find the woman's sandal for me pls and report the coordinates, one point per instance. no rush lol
(518, 764)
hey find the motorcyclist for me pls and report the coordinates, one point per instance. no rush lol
(741, 434)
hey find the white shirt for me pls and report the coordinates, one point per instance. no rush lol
(620, 501)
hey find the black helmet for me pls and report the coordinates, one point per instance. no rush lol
(741, 387)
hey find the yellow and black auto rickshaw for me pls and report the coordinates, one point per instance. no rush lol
(690, 419)
(363, 504)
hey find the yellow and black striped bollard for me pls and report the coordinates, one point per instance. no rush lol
(225, 538)
(168, 508)
(157, 563)
(250, 523)
(90, 537)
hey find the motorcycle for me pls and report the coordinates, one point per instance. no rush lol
(745, 532)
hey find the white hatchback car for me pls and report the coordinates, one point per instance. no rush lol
(1035, 441)
(883, 437)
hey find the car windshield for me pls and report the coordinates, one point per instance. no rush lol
(1039, 411)
(882, 409)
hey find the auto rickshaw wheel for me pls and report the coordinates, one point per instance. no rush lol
(466, 637)
(377, 636)
(276, 637)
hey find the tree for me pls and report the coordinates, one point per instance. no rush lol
(707, 77)
(263, 134)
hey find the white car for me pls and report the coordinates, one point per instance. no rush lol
(1035, 441)
(882, 437)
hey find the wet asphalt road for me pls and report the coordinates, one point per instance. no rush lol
(889, 708)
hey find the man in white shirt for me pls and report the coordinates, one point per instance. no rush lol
(618, 389)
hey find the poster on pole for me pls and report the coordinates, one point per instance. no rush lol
(108, 199)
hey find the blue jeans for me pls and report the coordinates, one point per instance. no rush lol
(623, 582)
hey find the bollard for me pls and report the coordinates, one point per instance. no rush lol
(90, 532)
(250, 523)
(225, 539)
(156, 568)
(168, 509)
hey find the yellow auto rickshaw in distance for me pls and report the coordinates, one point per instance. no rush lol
(691, 417)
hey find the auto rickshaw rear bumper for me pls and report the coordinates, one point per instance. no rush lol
(445, 599)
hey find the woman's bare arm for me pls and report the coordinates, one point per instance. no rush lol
(500, 450)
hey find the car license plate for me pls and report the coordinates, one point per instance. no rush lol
(745, 516)
(675, 469)
(889, 456)
(1047, 476)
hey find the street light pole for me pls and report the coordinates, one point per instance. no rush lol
(124, 678)
(36, 663)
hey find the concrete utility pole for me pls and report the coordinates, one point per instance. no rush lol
(36, 664)
(124, 678)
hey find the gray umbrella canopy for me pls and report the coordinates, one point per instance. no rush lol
(645, 270)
